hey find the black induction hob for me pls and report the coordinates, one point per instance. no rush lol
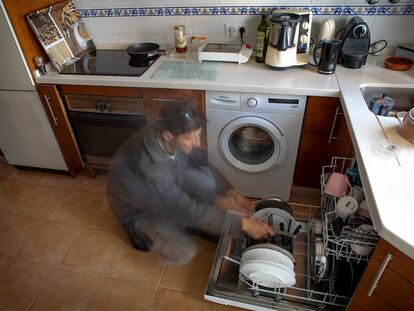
(109, 63)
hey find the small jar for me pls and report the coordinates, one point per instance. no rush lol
(180, 39)
(406, 128)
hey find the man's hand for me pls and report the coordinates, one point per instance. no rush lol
(256, 229)
(243, 205)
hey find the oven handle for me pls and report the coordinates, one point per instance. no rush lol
(107, 112)
(108, 117)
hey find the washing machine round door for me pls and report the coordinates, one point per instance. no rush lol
(252, 144)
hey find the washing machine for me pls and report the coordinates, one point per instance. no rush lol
(252, 139)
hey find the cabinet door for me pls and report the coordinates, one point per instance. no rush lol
(324, 135)
(155, 99)
(387, 283)
(55, 111)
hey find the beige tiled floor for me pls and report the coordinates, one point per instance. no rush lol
(61, 249)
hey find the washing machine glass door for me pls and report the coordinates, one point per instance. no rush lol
(252, 144)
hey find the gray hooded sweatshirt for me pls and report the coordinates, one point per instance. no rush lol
(146, 186)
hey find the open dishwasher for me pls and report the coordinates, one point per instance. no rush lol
(326, 269)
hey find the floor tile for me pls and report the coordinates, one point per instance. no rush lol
(40, 201)
(21, 284)
(5, 171)
(14, 232)
(86, 183)
(66, 290)
(94, 251)
(139, 266)
(5, 262)
(30, 177)
(193, 276)
(50, 243)
(78, 208)
(11, 195)
(170, 300)
(104, 217)
(122, 295)
(58, 180)
(219, 307)
(2, 216)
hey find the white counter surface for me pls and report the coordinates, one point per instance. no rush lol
(388, 183)
(249, 77)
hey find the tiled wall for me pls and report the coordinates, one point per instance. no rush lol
(118, 23)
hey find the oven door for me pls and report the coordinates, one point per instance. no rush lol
(99, 135)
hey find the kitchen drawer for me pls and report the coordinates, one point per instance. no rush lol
(391, 285)
(116, 105)
(101, 90)
(400, 264)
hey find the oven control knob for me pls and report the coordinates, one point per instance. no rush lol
(305, 25)
(252, 102)
(303, 39)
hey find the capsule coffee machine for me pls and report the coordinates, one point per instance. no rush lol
(289, 39)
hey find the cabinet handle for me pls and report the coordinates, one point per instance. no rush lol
(50, 108)
(160, 99)
(331, 137)
(380, 271)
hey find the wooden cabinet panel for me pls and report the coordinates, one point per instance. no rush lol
(55, 111)
(101, 90)
(369, 303)
(324, 135)
(391, 286)
(155, 99)
(400, 264)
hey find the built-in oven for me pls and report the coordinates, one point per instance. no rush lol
(102, 123)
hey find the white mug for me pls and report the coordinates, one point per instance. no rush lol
(345, 207)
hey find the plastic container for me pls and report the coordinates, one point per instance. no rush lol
(406, 129)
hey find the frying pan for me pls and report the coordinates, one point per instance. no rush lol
(143, 50)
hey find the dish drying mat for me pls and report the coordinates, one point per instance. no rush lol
(186, 70)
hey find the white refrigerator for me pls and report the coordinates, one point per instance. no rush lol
(26, 137)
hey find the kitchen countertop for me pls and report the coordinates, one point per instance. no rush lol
(387, 182)
(251, 77)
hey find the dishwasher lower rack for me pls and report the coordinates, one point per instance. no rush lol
(346, 242)
(227, 286)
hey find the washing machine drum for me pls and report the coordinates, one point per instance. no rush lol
(252, 144)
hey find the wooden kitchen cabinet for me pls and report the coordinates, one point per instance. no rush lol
(62, 129)
(394, 286)
(324, 135)
(155, 99)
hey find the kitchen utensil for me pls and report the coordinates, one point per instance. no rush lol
(143, 50)
(289, 38)
(274, 202)
(363, 210)
(406, 129)
(398, 63)
(357, 192)
(381, 106)
(355, 43)
(328, 57)
(337, 185)
(346, 207)
(361, 246)
(327, 30)
(319, 264)
(267, 274)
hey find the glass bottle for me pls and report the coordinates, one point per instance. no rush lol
(262, 40)
(180, 39)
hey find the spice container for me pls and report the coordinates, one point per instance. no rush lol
(180, 39)
(406, 128)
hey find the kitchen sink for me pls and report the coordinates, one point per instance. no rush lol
(403, 96)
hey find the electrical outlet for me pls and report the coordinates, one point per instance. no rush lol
(232, 29)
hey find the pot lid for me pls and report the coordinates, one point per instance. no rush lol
(285, 18)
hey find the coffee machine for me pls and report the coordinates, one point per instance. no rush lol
(355, 44)
(289, 39)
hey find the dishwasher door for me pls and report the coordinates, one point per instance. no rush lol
(225, 287)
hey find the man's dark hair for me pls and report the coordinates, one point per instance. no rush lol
(178, 118)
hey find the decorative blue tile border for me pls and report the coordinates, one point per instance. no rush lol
(246, 10)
